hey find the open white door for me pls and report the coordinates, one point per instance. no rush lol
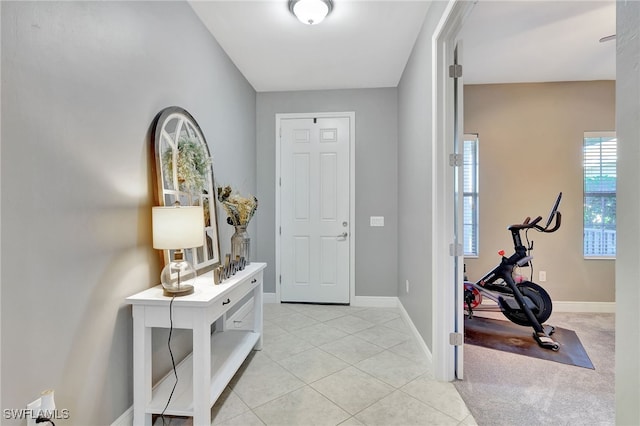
(458, 227)
(447, 264)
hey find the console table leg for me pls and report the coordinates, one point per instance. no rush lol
(141, 368)
(201, 373)
(258, 301)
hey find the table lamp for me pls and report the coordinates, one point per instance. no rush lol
(177, 228)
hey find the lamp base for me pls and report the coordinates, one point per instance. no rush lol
(184, 290)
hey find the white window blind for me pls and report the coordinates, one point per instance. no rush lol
(470, 194)
(600, 174)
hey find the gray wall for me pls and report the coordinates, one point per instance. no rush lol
(627, 360)
(415, 146)
(81, 84)
(375, 178)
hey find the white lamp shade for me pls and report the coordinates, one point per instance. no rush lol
(177, 227)
(311, 12)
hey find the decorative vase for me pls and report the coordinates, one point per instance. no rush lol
(240, 243)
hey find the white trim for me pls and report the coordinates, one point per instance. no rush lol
(351, 115)
(270, 298)
(375, 301)
(442, 187)
(589, 307)
(126, 419)
(416, 334)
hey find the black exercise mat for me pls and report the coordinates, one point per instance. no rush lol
(509, 337)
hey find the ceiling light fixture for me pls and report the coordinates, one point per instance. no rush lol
(310, 12)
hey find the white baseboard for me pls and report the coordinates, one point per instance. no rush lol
(269, 298)
(126, 419)
(362, 301)
(416, 334)
(375, 302)
(592, 307)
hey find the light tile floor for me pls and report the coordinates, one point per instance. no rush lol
(336, 365)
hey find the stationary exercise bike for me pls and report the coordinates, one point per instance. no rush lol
(524, 303)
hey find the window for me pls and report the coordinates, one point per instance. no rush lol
(470, 195)
(599, 161)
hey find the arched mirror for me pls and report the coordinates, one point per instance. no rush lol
(184, 174)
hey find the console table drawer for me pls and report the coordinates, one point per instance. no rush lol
(239, 291)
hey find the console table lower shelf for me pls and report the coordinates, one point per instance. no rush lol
(229, 349)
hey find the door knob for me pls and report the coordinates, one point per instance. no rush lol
(343, 235)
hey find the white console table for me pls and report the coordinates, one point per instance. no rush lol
(216, 357)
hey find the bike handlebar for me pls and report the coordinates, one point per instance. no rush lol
(536, 220)
(554, 214)
(528, 224)
(557, 224)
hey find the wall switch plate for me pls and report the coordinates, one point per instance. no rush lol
(376, 221)
(542, 276)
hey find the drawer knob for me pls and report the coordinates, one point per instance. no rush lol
(226, 302)
(253, 281)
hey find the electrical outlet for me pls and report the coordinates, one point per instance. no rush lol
(542, 276)
(407, 285)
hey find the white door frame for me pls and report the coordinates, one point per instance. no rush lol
(352, 205)
(443, 267)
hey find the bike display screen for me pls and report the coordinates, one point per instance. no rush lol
(553, 211)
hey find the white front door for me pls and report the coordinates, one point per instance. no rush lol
(314, 209)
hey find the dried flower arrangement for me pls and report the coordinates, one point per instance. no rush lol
(239, 209)
(192, 165)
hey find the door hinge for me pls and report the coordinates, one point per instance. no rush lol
(456, 249)
(455, 71)
(280, 181)
(455, 160)
(280, 279)
(280, 230)
(280, 131)
(456, 339)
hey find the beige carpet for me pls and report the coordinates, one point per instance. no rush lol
(502, 388)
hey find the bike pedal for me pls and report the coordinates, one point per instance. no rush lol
(546, 342)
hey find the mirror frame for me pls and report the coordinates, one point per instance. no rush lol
(170, 126)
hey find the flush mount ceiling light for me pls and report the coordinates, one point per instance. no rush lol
(310, 12)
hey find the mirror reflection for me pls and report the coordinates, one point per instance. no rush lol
(184, 173)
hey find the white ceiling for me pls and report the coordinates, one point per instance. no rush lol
(534, 41)
(362, 43)
(366, 43)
